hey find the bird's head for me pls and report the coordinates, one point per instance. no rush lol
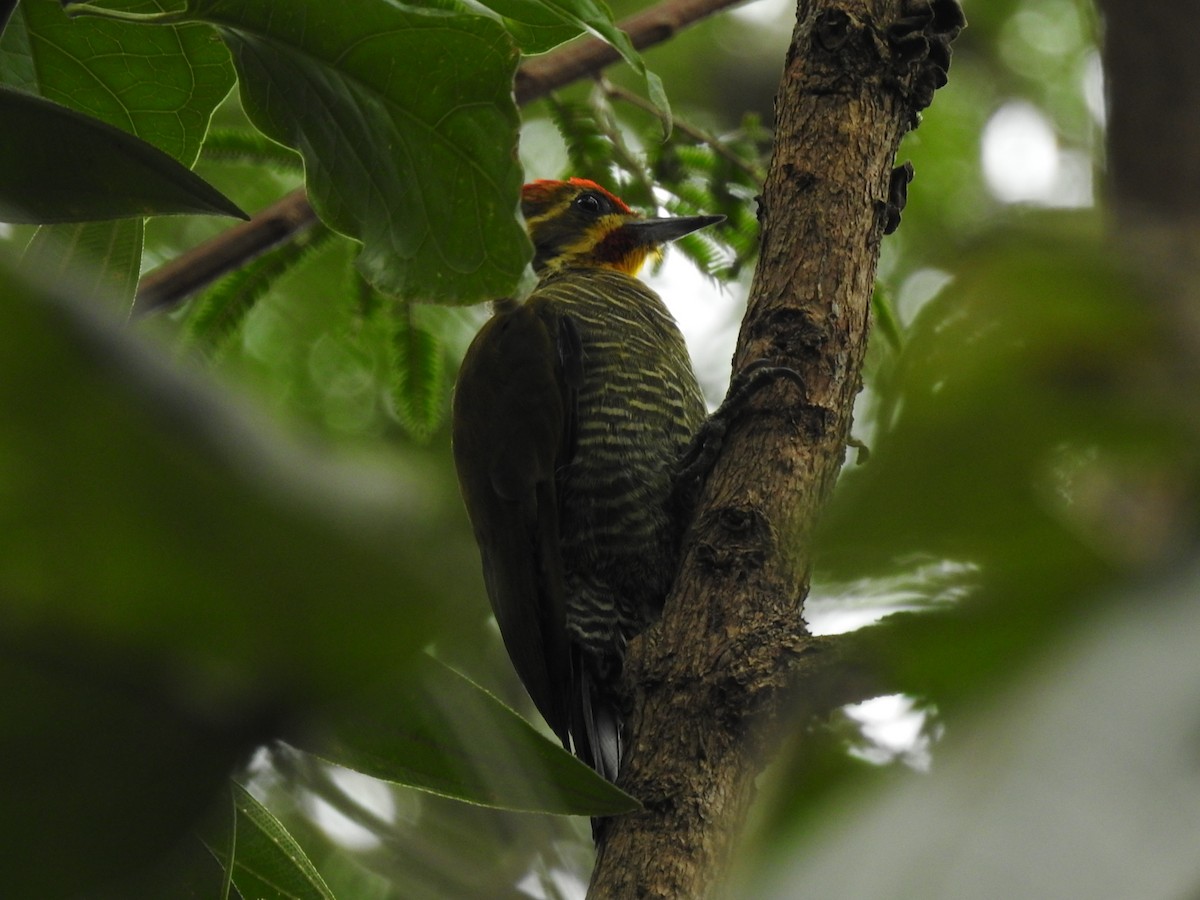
(578, 224)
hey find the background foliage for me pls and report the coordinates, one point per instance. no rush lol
(237, 519)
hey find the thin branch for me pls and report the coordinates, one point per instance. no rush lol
(201, 266)
(174, 282)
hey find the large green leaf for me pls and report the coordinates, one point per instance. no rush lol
(274, 555)
(407, 125)
(105, 252)
(440, 732)
(160, 83)
(267, 862)
(176, 579)
(57, 165)
(1079, 780)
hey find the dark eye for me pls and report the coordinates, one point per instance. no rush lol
(589, 203)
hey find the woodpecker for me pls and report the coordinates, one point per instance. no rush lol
(571, 413)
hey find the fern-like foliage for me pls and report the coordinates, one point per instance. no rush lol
(246, 147)
(693, 172)
(589, 150)
(418, 367)
(217, 314)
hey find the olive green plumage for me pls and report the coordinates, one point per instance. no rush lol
(571, 412)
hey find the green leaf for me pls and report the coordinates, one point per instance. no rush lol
(176, 578)
(1033, 788)
(886, 321)
(161, 83)
(268, 863)
(100, 257)
(596, 18)
(406, 122)
(535, 26)
(589, 150)
(1018, 374)
(273, 555)
(98, 734)
(58, 165)
(440, 732)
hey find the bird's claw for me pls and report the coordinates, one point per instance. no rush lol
(698, 459)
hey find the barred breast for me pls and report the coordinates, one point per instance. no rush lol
(638, 408)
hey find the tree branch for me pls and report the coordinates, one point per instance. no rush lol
(173, 282)
(731, 645)
(194, 270)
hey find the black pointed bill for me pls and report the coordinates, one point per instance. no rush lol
(659, 231)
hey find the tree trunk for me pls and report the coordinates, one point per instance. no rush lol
(711, 673)
(1152, 73)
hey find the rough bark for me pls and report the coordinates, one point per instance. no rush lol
(1152, 74)
(1153, 78)
(705, 680)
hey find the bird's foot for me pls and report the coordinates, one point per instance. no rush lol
(700, 456)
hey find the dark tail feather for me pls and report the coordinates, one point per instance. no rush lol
(595, 726)
(601, 726)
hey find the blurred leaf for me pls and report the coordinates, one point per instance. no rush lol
(200, 503)
(1093, 748)
(101, 734)
(107, 252)
(61, 166)
(188, 872)
(589, 151)
(883, 309)
(1027, 429)
(414, 160)
(440, 732)
(268, 864)
(1037, 357)
(160, 83)
(175, 581)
